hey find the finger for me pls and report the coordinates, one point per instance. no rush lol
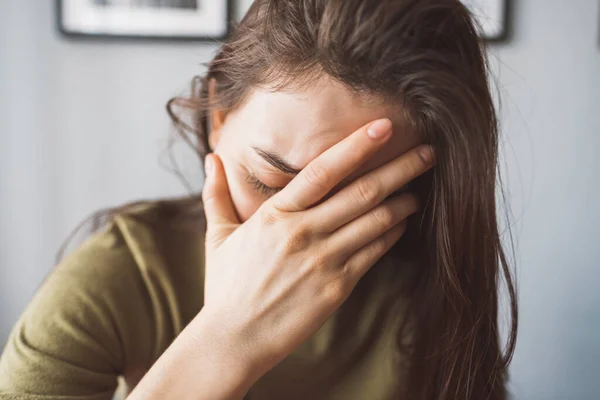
(361, 261)
(371, 189)
(218, 206)
(370, 226)
(331, 167)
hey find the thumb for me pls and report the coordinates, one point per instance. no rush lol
(218, 206)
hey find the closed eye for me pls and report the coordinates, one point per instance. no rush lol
(260, 186)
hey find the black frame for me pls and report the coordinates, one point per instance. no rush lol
(507, 28)
(503, 37)
(508, 24)
(80, 35)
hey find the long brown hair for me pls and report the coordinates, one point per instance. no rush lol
(427, 56)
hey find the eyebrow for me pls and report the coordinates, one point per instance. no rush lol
(277, 161)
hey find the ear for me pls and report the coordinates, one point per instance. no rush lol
(216, 117)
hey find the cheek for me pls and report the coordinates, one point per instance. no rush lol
(245, 201)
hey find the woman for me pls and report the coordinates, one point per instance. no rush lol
(346, 245)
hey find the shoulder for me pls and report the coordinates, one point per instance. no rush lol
(158, 245)
(166, 241)
(113, 304)
(154, 250)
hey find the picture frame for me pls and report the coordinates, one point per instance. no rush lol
(492, 16)
(201, 20)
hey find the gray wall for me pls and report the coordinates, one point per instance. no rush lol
(82, 126)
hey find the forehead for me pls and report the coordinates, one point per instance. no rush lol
(301, 124)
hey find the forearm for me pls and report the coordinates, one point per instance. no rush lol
(202, 363)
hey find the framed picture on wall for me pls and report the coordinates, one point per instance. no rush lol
(492, 16)
(167, 19)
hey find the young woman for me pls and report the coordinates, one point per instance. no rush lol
(346, 245)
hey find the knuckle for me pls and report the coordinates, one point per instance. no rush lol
(406, 204)
(208, 194)
(384, 216)
(270, 215)
(320, 261)
(415, 166)
(410, 167)
(367, 191)
(298, 239)
(335, 292)
(379, 246)
(316, 175)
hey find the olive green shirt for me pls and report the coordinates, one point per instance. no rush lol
(113, 306)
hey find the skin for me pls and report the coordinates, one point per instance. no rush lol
(298, 126)
(304, 248)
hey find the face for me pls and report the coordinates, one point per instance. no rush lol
(293, 128)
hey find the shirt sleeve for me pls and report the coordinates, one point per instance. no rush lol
(92, 320)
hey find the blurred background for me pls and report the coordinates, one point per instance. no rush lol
(82, 127)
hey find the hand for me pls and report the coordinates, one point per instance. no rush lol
(274, 280)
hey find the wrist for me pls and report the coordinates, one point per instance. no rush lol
(201, 361)
(228, 350)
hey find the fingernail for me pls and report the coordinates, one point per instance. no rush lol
(380, 128)
(426, 154)
(209, 166)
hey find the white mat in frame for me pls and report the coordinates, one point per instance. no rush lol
(145, 18)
